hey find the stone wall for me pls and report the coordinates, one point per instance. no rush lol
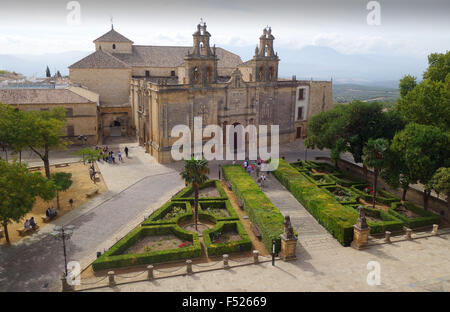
(113, 85)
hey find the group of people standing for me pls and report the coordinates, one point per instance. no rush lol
(109, 155)
(250, 167)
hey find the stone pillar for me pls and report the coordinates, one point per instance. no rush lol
(435, 229)
(387, 238)
(189, 266)
(288, 248)
(255, 256)
(408, 234)
(150, 272)
(65, 286)
(361, 231)
(111, 281)
(225, 262)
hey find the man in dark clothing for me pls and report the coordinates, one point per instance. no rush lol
(126, 151)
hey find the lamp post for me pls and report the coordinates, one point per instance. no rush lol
(63, 233)
(273, 252)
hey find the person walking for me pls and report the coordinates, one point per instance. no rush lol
(119, 154)
(126, 151)
(263, 178)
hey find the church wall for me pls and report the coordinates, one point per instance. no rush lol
(320, 97)
(121, 47)
(113, 85)
(154, 71)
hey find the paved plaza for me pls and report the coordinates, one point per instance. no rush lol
(139, 185)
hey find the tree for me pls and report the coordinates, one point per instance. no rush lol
(349, 127)
(407, 83)
(428, 103)
(425, 149)
(195, 171)
(12, 130)
(44, 131)
(62, 181)
(375, 156)
(438, 66)
(396, 173)
(47, 73)
(441, 182)
(88, 154)
(18, 191)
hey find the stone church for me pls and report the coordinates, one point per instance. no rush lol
(147, 90)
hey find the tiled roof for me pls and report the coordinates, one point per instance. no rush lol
(113, 36)
(41, 96)
(100, 59)
(171, 56)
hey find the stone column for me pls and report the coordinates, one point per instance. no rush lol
(361, 230)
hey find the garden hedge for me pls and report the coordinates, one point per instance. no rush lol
(389, 223)
(427, 217)
(222, 204)
(354, 198)
(156, 217)
(383, 196)
(259, 208)
(311, 177)
(115, 256)
(187, 192)
(336, 218)
(226, 248)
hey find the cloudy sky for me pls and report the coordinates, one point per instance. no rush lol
(408, 27)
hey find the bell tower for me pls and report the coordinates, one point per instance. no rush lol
(201, 64)
(265, 59)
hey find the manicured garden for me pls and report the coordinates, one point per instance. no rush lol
(168, 233)
(335, 205)
(259, 208)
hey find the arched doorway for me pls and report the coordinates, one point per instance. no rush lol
(235, 147)
(115, 128)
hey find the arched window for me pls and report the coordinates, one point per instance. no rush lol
(196, 74)
(114, 46)
(271, 74)
(261, 74)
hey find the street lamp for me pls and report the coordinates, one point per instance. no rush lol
(63, 233)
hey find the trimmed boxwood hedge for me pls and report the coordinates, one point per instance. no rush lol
(311, 177)
(225, 248)
(336, 218)
(382, 196)
(389, 223)
(353, 198)
(187, 192)
(156, 217)
(427, 217)
(114, 257)
(259, 208)
(222, 204)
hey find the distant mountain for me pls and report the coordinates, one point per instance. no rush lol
(321, 63)
(324, 63)
(35, 65)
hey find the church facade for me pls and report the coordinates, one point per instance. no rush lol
(151, 89)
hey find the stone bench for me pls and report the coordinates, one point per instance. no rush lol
(25, 231)
(255, 230)
(62, 165)
(92, 193)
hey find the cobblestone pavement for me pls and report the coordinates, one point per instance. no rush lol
(136, 188)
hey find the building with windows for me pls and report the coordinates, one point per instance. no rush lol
(80, 104)
(147, 90)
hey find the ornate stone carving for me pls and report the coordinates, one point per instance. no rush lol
(361, 223)
(288, 229)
